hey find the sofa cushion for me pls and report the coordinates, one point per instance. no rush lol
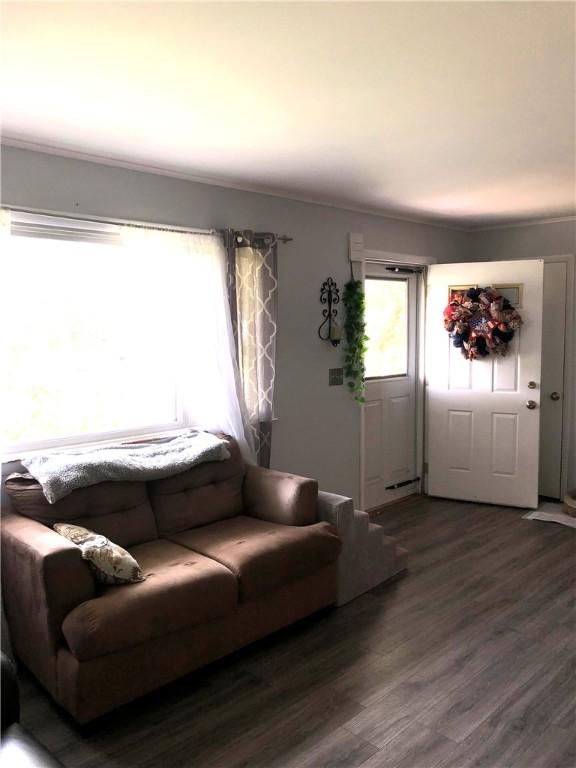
(263, 555)
(201, 495)
(119, 511)
(182, 589)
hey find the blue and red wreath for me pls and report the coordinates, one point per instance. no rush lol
(481, 321)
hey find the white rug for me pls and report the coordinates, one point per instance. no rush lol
(551, 513)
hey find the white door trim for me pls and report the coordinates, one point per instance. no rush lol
(397, 258)
(569, 358)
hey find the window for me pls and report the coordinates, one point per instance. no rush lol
(102, 325)
(386, 327)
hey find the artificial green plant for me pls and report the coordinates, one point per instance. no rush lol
(356, 338)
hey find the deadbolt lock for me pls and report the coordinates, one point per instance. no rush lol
(531, 385)
(531, 404)
(555, 396)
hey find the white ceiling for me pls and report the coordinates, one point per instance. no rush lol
(455, 111)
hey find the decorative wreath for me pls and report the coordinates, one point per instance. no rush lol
(481, 321)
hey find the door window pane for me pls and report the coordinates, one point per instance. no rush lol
(386, 327)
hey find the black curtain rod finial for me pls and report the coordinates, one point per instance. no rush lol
(248, 237)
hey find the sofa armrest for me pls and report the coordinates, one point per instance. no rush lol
(279, 497)
(43, 578)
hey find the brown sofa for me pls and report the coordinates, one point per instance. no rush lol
(231, 552)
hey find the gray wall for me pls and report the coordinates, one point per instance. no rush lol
(531, 241)
(317, 432)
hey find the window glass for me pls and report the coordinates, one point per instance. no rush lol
(386, 327)
(85, 347)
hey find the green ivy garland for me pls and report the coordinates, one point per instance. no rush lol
(356, 338)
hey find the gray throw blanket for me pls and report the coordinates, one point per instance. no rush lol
(61, 472)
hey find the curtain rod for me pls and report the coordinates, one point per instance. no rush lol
(128, 222)
(231, 230)
(108, 220)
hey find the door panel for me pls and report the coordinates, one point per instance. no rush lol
(401, 448)
(459, 370)
(505, 444)
(482, 439)
(373, 439)
(460, 439)
(505, 372)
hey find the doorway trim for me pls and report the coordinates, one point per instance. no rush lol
(358, 257)
(569, 358)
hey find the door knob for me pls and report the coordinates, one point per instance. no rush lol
(531, 404)
(554, 396)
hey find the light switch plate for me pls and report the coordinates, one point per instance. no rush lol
(335, 377)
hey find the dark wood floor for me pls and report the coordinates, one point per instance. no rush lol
(466, 660)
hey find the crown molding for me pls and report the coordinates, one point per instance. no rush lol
(522, 223)
(259, 189)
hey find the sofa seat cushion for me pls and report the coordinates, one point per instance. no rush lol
(182, 589)
(263, 555)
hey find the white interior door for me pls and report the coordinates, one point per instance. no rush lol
(389, 465)
(483, 439)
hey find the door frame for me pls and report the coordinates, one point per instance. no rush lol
(358, 258)
(358, 255)
(378, 494)
(569, 358)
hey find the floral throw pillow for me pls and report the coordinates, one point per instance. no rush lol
(110, 563)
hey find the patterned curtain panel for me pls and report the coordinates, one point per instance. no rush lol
(252, 290)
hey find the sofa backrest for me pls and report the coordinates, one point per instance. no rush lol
(201, 495)
(120, 511)
(130, 513)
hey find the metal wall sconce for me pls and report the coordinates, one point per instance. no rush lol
(329, 329)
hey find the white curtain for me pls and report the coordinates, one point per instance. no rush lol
(200, 339)
(5, 221)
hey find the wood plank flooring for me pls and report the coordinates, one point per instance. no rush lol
(465, 661)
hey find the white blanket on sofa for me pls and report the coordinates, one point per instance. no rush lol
(61, 472)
